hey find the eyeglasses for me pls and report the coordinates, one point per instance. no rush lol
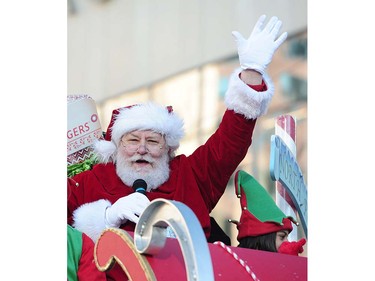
(133, 146)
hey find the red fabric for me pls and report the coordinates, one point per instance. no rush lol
(259, 88)
(292, 248)
(249, 225)
(198, 180)
(87, 270)
(108, 133)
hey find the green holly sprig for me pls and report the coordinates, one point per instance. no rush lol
(85, 165)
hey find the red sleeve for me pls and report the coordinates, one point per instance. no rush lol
(87, 270)
(259, 88)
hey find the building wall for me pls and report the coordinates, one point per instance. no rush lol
(119, 45)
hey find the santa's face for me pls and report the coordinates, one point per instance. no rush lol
(143, 155)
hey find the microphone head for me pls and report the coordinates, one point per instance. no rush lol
(140, 186)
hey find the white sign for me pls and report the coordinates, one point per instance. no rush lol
(83, 124)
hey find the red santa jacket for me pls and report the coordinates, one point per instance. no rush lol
(198, 180)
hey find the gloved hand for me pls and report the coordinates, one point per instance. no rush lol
(126, 208)
(292, 248)
(257, 51)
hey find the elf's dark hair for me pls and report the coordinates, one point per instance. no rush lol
(265, 242)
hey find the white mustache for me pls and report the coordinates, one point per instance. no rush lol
(144, 158)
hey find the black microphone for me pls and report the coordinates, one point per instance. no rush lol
(140, 186)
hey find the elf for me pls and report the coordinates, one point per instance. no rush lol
(262, 226)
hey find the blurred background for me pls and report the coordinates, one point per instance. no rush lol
(181, 53)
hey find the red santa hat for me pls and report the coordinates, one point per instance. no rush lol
(147, 116)
(260, 214)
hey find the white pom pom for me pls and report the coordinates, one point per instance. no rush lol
(104, 150)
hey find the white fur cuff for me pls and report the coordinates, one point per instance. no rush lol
(90, 218)
(244, 100)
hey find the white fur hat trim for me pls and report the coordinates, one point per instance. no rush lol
(147, 116)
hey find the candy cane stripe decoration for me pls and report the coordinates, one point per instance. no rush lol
(235, 256)
(285, 128)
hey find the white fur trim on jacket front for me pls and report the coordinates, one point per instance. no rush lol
(244, 100)
(90, 218)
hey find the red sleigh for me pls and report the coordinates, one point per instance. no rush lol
(148, 254)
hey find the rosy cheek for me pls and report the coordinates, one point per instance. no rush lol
(125, 153)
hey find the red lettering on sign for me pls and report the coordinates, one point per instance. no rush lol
(76, 131)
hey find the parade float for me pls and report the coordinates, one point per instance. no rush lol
(149, 253)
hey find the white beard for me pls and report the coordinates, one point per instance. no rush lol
(154, 178)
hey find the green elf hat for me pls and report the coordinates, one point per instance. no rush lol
(260, 214)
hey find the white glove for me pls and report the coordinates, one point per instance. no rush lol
(257, 51)
(126, 208)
